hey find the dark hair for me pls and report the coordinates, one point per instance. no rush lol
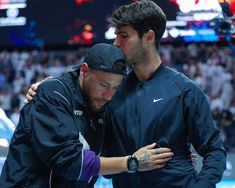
(142, 16)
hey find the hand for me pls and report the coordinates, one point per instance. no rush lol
(150, 158)
(32, 91)
(193, 159)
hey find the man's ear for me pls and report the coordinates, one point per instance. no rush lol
(149, 36)
(84, 69)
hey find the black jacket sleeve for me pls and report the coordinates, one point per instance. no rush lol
(55, 136)
(205, 137)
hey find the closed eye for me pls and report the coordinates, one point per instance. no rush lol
(121, 34)
(104, 85)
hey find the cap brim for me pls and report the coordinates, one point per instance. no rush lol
(76, 67)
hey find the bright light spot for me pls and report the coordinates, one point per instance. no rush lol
(12, 12)
(110, 33)
(4, 142)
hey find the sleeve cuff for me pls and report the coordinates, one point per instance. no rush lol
(91, 165)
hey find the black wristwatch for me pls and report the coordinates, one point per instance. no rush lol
(132, 164)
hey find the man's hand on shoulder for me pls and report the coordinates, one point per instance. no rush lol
(32, 91)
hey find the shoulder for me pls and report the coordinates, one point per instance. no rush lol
(54, 89)
(54, 84)
(180, 79)
(179, 83)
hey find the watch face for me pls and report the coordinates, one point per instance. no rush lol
(133, 165)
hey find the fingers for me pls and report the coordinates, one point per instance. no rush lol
(28, 98)
(151, 146)
(193, 156)
(160, 150)
(161, 155)
(31, 92)
(162, 158)
(193, 159)
(150, 157)
(154, 162)
(149, 160)
(34, 87)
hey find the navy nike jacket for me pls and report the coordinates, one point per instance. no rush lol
(171, 110)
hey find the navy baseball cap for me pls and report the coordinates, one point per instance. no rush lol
(107, 58)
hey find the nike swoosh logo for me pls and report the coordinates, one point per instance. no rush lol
(156, 100)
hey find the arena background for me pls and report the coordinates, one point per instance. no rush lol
(43, 37)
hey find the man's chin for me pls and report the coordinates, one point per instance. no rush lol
(97, 108)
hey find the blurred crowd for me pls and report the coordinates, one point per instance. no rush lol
(211, 66)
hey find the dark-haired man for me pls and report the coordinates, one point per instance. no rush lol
(158, 104)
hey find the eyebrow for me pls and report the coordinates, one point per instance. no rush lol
(120, 32)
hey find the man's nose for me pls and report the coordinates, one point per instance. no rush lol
(116, 42)
(108, 94)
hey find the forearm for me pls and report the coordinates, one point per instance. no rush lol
(112, 165)
(146, 158)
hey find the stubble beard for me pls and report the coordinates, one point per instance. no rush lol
(138, 57)
(90, 101)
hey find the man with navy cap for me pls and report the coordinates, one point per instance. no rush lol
(60, 133)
